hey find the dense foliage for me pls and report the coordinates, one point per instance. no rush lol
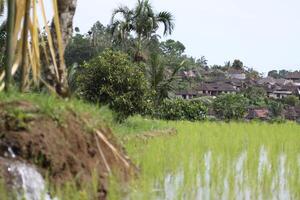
(230, 106)
(179, 109)
(275, 107)
(256, 95)
(291, 101)
(113, 79)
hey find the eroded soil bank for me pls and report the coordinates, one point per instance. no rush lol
(63, 148)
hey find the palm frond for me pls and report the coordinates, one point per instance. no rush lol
(28, 46)
(168, 20)
(123, 10)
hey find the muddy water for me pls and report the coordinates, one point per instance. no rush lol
(240, 188)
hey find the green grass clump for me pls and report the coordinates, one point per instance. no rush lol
(56, 108)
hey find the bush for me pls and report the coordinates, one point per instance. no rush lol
(230, 106)
(291, 101)
(179, 109)
(276, 108)
(256, 95)
(113, 79)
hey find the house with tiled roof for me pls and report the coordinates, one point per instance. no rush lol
(258, 113)
(294, 76)
(186, 94)
(236, 74)
(215, 89)
(280, 92)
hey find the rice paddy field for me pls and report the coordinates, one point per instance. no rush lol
(216, 161)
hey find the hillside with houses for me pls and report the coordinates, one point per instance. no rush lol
(237, 81)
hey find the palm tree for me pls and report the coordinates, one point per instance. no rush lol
(161, 77)
(62, 24)
(57, 37)
(142, 21)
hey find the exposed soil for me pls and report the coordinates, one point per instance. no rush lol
(65, 151)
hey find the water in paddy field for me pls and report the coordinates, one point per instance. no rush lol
(268, 180)
(267, 184)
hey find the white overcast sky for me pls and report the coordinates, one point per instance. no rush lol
(264, 34)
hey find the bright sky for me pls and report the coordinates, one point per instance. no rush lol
(264, 34)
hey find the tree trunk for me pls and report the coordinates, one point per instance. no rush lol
(66, 10)
(24, 62)
(9, 43)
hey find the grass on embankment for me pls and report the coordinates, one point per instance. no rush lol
(21, 108)
(55, 107)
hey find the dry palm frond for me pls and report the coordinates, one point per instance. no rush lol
(28, 41)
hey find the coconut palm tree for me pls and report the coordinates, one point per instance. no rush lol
(142, 21)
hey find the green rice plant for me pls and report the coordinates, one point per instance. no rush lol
(247, 155)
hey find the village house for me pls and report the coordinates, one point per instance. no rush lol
(280, 92)
(188, 74)
(258, 113)
(215, 89)
(236, 74)
(186, 94)
(293, 76)
(266, 81)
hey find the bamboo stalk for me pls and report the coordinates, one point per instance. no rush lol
(10, 43)
(24, 61)
(113, 149)
(102, 155)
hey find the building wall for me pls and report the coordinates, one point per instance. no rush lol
(237, 76)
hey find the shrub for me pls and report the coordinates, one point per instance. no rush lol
(275, 107)
(256, 95)
(113, 79)
(230, 106)
(291, 100)
(179, 109)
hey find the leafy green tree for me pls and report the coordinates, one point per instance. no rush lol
(252, 74)
(291, 100)
(79, 50)
(230, 106)
(274, 74)
(100, 36)
(256, 95)
(202, 63)
(172, 47)
(179, 109)
(113, 79)
(237, 64)
(84, 47)
(275, 107)
(283, 73)
(227, 64)
(142, 21)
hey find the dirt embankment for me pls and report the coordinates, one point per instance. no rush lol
(63, 150)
